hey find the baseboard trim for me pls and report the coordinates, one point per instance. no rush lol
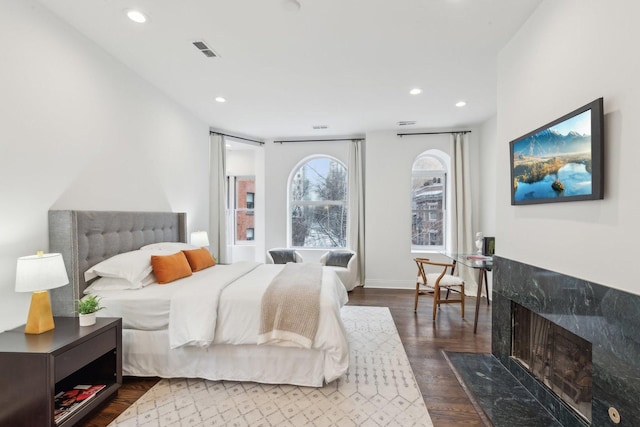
(389, 284)
(470, 289)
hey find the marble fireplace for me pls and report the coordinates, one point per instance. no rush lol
(591, 332)
(556, 357)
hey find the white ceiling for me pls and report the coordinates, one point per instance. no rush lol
(346, 64)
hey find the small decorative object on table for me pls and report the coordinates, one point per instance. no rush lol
(479, 241)
(87, 308)
(489, 246)
(37, 274)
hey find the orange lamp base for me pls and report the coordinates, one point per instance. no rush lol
(40, 316)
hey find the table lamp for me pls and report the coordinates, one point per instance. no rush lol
(37, 274)
(199, 238)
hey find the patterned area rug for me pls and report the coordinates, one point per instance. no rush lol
(379, 389)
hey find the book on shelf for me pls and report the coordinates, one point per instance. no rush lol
(69, 401)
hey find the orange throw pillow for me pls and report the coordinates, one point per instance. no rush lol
(199, 259)
(168, 268)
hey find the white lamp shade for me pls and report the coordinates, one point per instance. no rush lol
(199, 238)
(40, 272)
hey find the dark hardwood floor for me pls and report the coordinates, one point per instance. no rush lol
(423, 341)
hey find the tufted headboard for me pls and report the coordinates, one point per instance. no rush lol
(85, 238)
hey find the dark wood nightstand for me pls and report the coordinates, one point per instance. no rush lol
(33, 368)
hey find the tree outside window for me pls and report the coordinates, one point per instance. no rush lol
(318, 204)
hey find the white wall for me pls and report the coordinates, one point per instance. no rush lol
(78, 130)
(488, 183)
(280, 160)
(569, 53)
(487, 174)
(388, 162)
(389, 159)
(241, 161)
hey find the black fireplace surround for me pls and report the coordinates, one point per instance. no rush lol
(606, 317)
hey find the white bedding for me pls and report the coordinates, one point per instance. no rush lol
(149, 308)
(193, 310)
(238, 320)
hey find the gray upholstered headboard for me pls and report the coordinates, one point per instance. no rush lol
(85, 238)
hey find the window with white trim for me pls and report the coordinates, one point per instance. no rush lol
(241, 197)
(428, 202)
(318, 204)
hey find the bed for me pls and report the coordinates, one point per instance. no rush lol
(150, 346)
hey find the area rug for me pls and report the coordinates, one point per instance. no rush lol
(379, 389)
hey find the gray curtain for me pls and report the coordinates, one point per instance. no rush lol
(218, 198)
(356, 204)
(462, 238)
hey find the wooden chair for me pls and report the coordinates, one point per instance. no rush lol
(437, 282)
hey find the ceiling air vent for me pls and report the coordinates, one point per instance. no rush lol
(206, 50)
(406, 122)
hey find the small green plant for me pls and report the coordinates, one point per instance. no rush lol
(89, 304)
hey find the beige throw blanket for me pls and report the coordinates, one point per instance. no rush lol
(291, 306)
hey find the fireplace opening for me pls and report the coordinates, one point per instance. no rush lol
(556, 357)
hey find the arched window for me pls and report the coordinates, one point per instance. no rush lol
(318, 204)
(429, 201)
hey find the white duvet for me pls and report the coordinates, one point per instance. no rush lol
(193, 310)
(221, 305)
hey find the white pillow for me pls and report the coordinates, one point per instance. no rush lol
(132, 266)
(117, 284)
(169, 246)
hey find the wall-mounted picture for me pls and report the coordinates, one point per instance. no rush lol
(561, 161)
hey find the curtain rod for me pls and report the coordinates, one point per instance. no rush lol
(316, 140)
(433, 133)
(236, 137)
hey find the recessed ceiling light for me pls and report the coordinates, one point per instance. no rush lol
(461, 103)
(291, 5)
(220, 99)
(137, 16)
(415, 91)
